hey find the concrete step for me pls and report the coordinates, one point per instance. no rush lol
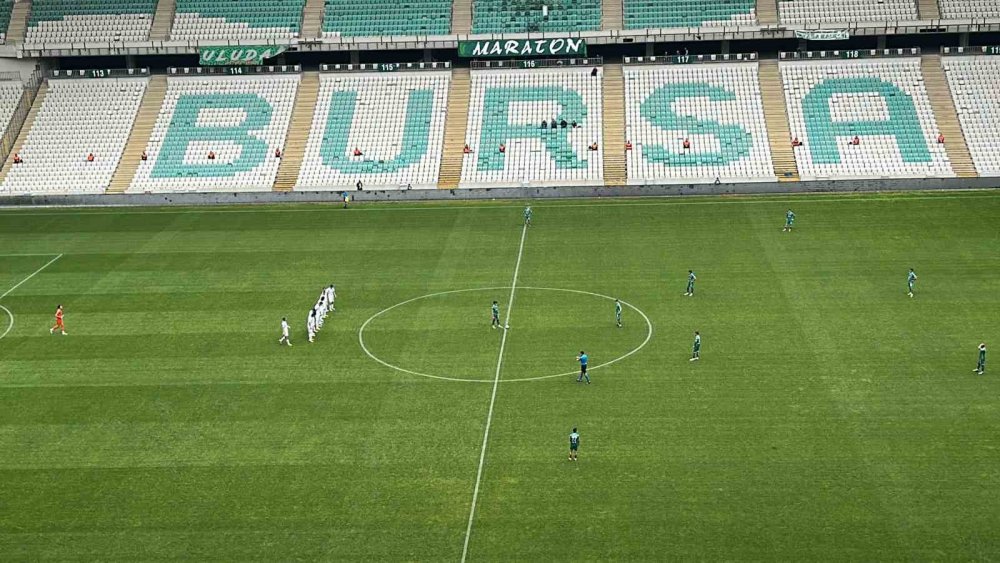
(772, 91)
(455, 123)
(138, 139)
(298, 133)
(946, 117)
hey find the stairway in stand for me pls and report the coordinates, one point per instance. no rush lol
(767, 12)
(928, 10)
(138, 138)
(946, 117)
(461, 17)
(312, 19)
(772, 91)
(29, 121)
(163, 20)
(455, 123)
(613, 109)
(298, 133)
(611, 14)
(18, 25)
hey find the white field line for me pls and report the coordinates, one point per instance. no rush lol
(493, 397)
(33, 274)
(11, 325)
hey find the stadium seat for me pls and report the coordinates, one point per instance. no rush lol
(242, 19)
(411, 17)
(242, 120)
(642, 14)
(6, 6)
(974, 82)
(396, 120)
(10, 96)
(969, 9)
(507, 107)
(833, 11)
(882, 102)
(75, 21)
(717, 107)
(77, 117)
(518, 16)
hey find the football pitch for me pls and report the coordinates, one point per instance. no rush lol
(830, 416)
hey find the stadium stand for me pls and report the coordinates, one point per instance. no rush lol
(881, 102)
(974, 83)
(76, 118)
(6, 6)
(968, 9)
(395, 120)
(242, 19)
(521, 16)
(411, 17)
(716, 108)
(640, 14)
(240, 120)
(507, 108)
(10, 96)
(834, 11)
(75, 21)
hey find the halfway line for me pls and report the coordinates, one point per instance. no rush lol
(33, 274)
(493, 397)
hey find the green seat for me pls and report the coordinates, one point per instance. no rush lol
(522, 16)
(643, 14)
(407, 17)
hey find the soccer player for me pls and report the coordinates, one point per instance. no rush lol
(331, 297)
(284, 333)
(618, 312)
(582, 358)
(495, 311)
(981, 365)
(690, 287)
(911, 279)
(311, 324)
(574, 444)
(696, 353)
(527, 215)
(59, 321)
(789, 221)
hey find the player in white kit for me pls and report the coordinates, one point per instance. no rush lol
(284, 332)
(311, 325)
(331, 297)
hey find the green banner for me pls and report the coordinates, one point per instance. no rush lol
(513, 48)
(239, 55)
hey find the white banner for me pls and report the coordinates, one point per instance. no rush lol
(823, 34)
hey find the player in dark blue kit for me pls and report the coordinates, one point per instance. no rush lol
(583, 367)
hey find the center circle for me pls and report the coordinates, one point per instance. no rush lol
(463, 328)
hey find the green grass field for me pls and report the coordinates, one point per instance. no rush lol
(830, 417)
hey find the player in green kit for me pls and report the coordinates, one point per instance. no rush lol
(789, 221)
(495, 311)
(911, 279)
(696, 353)
(618, 312)
(574, 444)
(527, 216)
(690, 288)
(981, 365)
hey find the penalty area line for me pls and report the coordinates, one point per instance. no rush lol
(493, 397)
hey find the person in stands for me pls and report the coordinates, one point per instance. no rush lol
(211, 155)
(360, 186)
(144, 157)
(563, 124)
(17, 159)
(553, 124)
(593, 146)
(357, 151)
(940, 138)
(593, 73)
(466, 150)
(687, 144)
(796, 142)
(90, 157)
(856, 141)
(503, 148)
(574, 125)
(545, 124)
(277, 152)
(628, 145)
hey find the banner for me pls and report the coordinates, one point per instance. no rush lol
(823, 35)
(523, 48)
(239, 55)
